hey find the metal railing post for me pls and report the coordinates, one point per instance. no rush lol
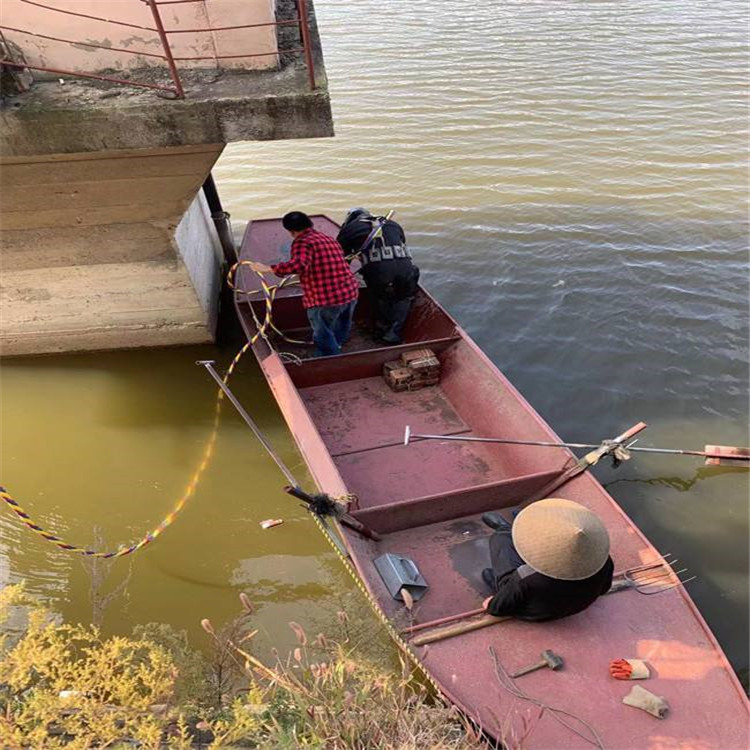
(167, 49)
(306, 46)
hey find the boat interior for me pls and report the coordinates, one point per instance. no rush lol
(432, 489)
(426, 498)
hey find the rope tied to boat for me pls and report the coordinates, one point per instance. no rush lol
(617, 451)
(324, 505)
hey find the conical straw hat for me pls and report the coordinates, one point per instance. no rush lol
(561, 539)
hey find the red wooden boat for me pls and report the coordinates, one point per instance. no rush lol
(426, 499)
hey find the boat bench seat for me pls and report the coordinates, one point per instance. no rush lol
(405, 514)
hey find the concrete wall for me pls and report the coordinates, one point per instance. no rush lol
(107, 250)
(199, 247)
(109, 37)
(105, 238)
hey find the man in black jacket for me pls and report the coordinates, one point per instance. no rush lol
(553, 562)
(387, 269)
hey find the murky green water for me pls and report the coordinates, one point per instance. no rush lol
(573, 180)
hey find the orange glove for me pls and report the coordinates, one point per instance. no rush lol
(620, 669)
(629, 669)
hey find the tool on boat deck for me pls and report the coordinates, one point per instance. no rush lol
(441, 634)
(549, 659)
(629, 669)
(399, 573)
(321, 504)
(651, 578)
(654, 578)
(715, 455)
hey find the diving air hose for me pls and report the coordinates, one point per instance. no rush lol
(269, 293)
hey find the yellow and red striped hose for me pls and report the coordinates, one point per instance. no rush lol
(269, 293)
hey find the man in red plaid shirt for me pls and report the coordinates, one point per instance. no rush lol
(329, 288)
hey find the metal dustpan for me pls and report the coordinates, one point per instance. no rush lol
(399, 573)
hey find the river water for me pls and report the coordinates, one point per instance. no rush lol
(572, 177)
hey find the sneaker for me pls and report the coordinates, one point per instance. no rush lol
(494, 521)
(488, 576)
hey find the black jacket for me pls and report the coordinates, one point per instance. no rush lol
(397, 277)
(353, 234)
(538, 597)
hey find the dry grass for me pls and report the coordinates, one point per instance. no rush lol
(65, 686)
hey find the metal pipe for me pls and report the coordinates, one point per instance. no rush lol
(76, 74)
(293, 489)
(230, 28)
(221, 219)
(230, 57)
(167, 48)
(409, 436)
(306, 45)
(209, 365)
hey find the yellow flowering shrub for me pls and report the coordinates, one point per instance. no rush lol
(65, 686)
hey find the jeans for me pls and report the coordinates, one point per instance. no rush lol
(331, 327)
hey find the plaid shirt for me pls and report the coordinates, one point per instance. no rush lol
(325, 275)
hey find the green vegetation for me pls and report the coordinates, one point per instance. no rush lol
(66, 686)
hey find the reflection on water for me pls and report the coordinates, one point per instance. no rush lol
(572, 177)
(109, 441)
(681, 484)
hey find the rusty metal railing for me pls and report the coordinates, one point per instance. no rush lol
(176, 89)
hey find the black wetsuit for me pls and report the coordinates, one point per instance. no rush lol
(388, 271)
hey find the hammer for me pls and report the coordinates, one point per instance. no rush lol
(549, 659)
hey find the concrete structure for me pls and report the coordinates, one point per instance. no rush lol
(96, 42)
(106, 238)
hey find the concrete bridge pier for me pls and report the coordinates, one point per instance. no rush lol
(106, 238)
(110, 249)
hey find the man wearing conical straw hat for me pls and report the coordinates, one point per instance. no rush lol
(552, 562)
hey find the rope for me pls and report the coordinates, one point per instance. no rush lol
(269, 292)
(381, 615)
(507, 683)
(167, 521)
(13, 504)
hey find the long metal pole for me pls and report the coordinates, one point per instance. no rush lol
(409, 436)
(167, 48)
(209, 365)
(293, 489)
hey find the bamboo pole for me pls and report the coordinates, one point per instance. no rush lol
(465, 627)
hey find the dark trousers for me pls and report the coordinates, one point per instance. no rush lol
(390, 316)
(392, 286)
(331, 327)
(503, 555)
